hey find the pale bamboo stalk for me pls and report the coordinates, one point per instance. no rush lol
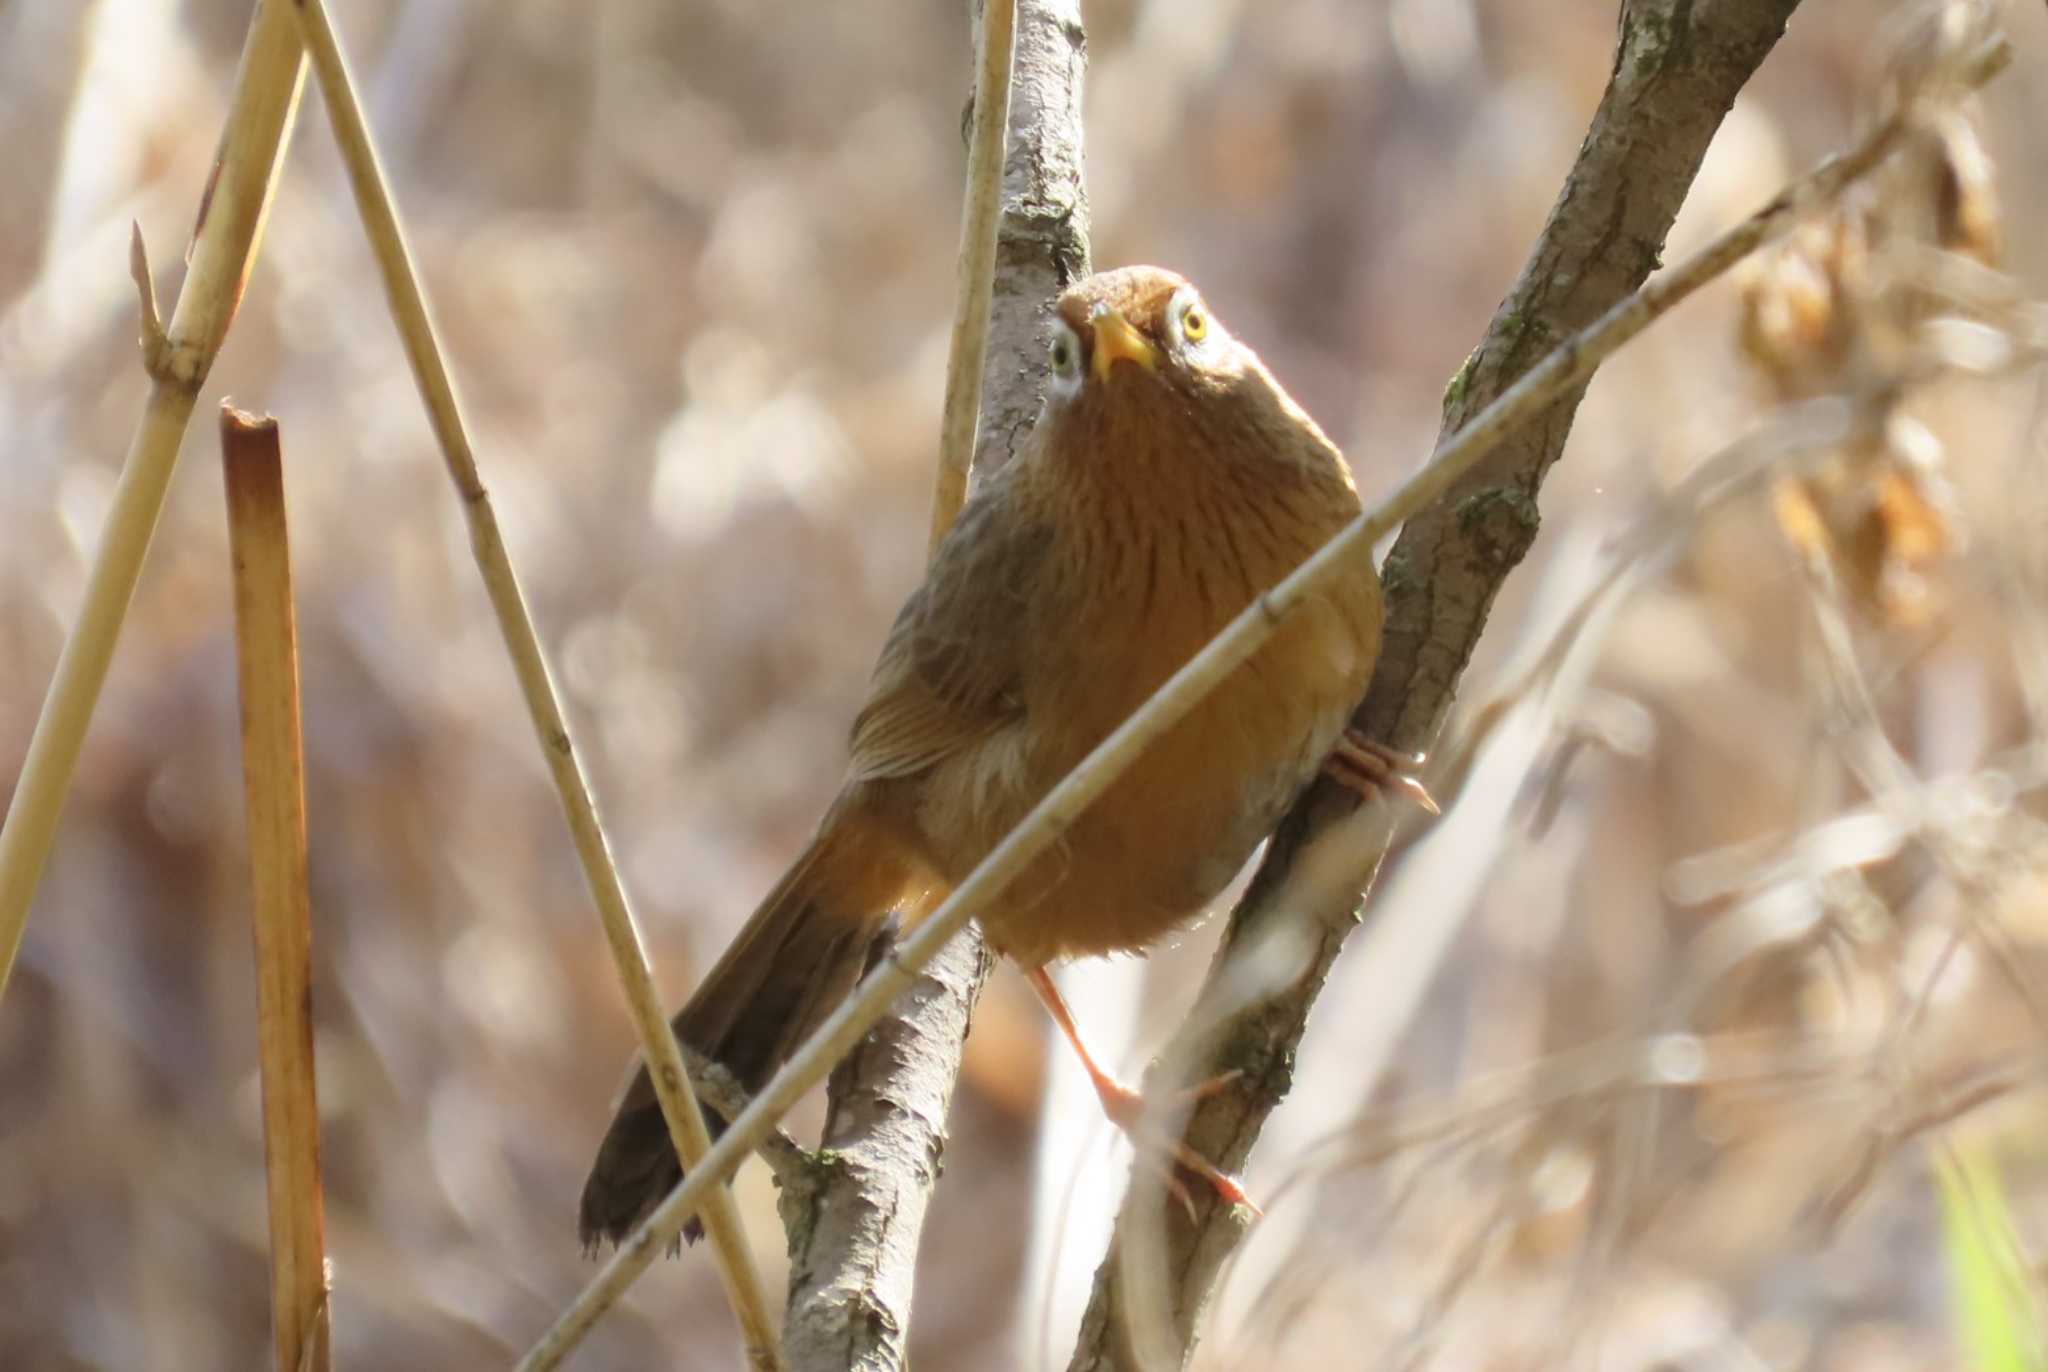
(1562, 369)
(529, 662)
(973, 290)
(273, 772)
(225, 236)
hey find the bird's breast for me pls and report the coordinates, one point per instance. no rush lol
(1160, 843)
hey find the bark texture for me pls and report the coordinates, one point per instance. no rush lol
(854, 1222)
(1679, 65)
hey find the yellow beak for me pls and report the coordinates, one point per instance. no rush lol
(1116, 339)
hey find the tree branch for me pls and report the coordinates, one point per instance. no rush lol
(1678, 67)
(854, 1225)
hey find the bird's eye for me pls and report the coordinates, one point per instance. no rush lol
(1065, 354)
(1194, 325)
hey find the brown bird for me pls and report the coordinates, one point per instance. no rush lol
(1168, 481)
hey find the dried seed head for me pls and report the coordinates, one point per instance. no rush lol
(1800, 306)
(1966, 196)
(1854, 302)
(1878, 518)
(1933, 51)
(1939, 193)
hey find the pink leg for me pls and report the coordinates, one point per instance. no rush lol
(1126, 1108)
(1371, 768)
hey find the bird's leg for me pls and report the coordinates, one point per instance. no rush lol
(1126, 1107)
(1371, 769)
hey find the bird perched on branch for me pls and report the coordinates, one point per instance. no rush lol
(1168, 482)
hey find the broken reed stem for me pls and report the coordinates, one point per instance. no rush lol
(1565, 367)
(229, 225)
(973, 290)
(273, 773)
(437, 392)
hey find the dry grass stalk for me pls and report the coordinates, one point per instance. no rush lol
(437, 391)
(273, 770)
(178, 357)
(978, 221)
(1561, 370)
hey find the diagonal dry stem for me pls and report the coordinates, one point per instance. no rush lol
(178, 357)
(1564, 368)
(437, 391)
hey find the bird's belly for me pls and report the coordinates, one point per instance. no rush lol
(1158, 845)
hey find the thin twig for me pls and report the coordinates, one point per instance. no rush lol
(1558, 373)
(274, 772)
(229, 225)
(437, 391)
(718, 1088)
(972, 291)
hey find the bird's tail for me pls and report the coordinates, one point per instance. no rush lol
(791, 965)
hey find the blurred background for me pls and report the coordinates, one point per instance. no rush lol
(693, 264)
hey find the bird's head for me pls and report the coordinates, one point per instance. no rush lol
(1146, 317)
(1137, 357)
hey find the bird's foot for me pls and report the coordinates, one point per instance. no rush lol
(1147, 1129)
(1128, 1111)
(1373, 769)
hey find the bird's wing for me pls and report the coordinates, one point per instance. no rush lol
(951, 670)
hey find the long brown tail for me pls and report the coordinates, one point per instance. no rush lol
(791, 965)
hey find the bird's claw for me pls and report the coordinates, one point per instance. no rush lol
(1128, 1111)
(1372, 769)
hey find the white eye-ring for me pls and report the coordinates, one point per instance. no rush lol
(1191, 322)
(1064, 353)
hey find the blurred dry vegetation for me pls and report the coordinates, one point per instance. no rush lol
(1775, 934)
